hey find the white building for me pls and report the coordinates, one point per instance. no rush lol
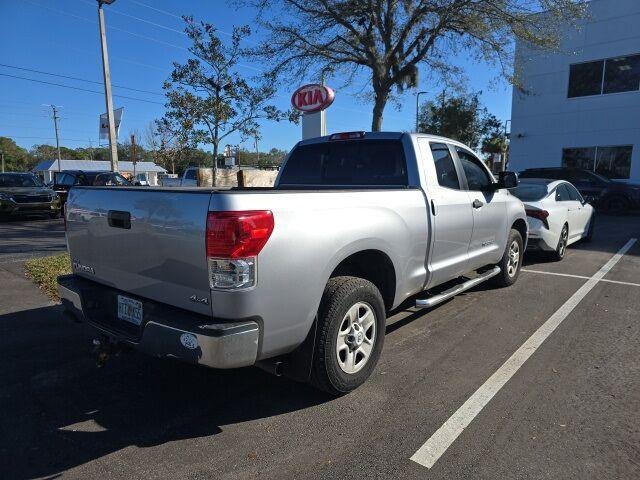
(583, 106)
(48, 168)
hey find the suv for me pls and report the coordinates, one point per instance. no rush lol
(609, 195)
(24, 193)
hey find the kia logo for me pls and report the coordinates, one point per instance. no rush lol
(312, 98)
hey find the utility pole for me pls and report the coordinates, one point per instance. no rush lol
(113, 142)
(55, 124)
(133, 155)
(2, 157)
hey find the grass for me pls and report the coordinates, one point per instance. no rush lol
(44, 271)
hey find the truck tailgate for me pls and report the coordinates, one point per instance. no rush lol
(146, 242)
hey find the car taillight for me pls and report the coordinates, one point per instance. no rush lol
(234, 240)
(541, 215)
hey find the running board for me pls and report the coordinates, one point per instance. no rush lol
(452, 292)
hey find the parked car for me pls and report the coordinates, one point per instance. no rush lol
(189, 179)
(558, 215)
(609, 195)
(295, 278)
(63, 181)
(24, 193)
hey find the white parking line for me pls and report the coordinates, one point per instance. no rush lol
(581, 276)
(429, 453)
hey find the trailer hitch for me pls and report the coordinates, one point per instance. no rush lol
(104, 349)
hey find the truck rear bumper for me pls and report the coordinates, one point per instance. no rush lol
(165, 332)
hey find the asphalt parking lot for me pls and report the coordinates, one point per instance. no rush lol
(21, 238)
(566, 405)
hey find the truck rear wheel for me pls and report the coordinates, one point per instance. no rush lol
(351, 327)
(511, 260)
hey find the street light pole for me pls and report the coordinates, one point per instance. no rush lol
(418, 107)
(113, 143)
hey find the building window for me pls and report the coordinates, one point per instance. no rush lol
(622, 74)
(611, 162)
(612, 75)
(579, 158)
(614, 162)
(585, 79)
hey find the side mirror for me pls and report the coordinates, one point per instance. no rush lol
(507, 180)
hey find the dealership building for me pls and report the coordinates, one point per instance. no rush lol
(581, 107)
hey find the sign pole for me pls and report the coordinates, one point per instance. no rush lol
(113, 143)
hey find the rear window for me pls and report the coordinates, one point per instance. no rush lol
(347, 163)
(533, 173)
(530, 192)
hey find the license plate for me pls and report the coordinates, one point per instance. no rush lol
(129, 310)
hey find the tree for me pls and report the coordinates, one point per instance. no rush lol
(16, 158)
(462, 118)
(389, 39)
(49, 152)
(207, 100)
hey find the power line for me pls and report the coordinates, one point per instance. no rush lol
(62, 12)
(138, 19)
(77, 88)
(68, 77)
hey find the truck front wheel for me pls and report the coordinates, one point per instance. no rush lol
(351, 327)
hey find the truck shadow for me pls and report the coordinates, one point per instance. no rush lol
(60, 411)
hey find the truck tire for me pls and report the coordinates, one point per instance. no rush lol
(511, 260)
(351, 328)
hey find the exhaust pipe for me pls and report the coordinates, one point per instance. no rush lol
(274, 367)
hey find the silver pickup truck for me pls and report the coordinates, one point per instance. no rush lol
(298, 278)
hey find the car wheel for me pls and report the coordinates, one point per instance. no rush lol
(589, 236)
(617, 205)
(561, 249)
(511, 261)
(351, 328)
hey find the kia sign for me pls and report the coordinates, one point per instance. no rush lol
(312, 98)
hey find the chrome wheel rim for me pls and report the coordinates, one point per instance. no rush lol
(562, 247)
(356, 338)
(514, 258)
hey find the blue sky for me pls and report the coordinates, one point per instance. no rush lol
(61, 37)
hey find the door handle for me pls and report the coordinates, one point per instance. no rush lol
(477, 203)
(433, 207)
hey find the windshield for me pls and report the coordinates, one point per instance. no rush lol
(347, 163)
(530, 192)
(19, 180)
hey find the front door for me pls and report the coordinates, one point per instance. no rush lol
(451, 214)
(489, 212)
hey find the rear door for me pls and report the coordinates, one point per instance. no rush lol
(489, 211)
(451, 213)
(579, 214)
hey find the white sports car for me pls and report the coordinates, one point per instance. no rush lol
(558, 215)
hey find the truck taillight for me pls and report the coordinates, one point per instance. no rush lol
(234, 240)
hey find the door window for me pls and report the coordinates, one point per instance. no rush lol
(477, 176)
(445, 167)
(562, 194)
(65, 179)
(573, 193)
